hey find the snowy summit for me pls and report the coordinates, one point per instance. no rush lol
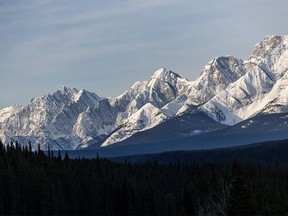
(228, 90)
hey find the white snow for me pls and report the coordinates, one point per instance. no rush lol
(228, 89)
(8, 111)
(264, 84)
(147, 117)
(173, 107)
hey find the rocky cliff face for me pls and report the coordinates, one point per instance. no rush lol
(228, 90)
(263, 88)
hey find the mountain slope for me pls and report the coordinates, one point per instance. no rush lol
(257, 129)
(59, 120)
(215, 77)
(69, 118)
(189, 124)
(147, 117)
(264, 85)
(228, 90)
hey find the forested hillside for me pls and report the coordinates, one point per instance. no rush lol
(271, 152)
(32, 183)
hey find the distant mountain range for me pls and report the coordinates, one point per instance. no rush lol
(232, 100)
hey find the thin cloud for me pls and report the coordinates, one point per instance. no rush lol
(41, 52)
(53, 40)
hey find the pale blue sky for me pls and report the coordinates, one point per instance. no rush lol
(105, 46)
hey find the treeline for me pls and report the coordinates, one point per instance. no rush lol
(34, 183)
(271, 152)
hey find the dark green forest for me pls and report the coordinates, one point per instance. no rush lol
(270, 152)
(34, 183)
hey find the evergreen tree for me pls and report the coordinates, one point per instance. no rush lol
(66, 156)
(2, 149)
(240, 196)
(59, 157)
(49, 151)
(30, 146)
(34, 184)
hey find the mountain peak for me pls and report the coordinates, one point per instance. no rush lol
(164, 73)
(216, 76)
(273, 52)
(270, 44)
(228, 90)
(272, 37)
(65, 90)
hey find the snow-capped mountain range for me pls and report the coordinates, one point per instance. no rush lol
(228, 90)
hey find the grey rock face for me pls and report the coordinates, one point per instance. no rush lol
(228, 90)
